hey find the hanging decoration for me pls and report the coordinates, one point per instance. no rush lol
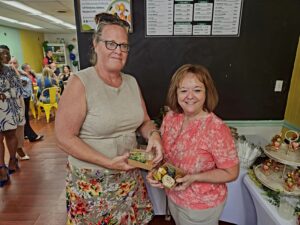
(72, 55)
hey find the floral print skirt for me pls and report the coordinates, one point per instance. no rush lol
(102, 197)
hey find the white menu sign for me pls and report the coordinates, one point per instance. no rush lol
(193, 17)
(226, 17)
(159, 17)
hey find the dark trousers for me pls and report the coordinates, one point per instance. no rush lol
(28, 131)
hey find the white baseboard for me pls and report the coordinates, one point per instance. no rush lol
(262, 128)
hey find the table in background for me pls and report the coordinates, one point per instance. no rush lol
(267, 214)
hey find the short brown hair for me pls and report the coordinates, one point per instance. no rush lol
(202, 74)
(101, 20)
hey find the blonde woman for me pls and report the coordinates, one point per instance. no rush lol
(108, 110)
(45, 81)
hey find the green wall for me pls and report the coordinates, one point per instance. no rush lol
(11, 38)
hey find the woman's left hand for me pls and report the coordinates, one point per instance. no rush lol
(154, 143)
(184, 182)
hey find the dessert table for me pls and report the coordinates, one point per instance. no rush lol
(266, 213)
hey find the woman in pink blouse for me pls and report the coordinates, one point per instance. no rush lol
(199, 143)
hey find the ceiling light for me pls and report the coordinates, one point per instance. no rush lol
(22, 7)
(51, 18)
(38, 13)
(18, 22)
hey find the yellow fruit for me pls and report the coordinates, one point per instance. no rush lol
(157, 176)
(122, 7)
(162, 171)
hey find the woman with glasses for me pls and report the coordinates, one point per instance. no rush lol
(98, 115)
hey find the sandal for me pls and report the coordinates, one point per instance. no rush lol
(21, 155)
(6, 179)
(25, 157)
(15, 163)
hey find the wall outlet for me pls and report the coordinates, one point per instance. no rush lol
(278, 86)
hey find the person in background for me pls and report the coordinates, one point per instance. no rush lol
(27, 95)
(26, 69)
(21, 155)
(108, 110)
(54, 68)
(64, 76)
(48, 59)
(200, 144)
(10, 114)
(47, 80)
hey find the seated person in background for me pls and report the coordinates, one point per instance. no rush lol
(48, 58)
(64, 76)
(54, 68)
(199, 143)
(45, 81)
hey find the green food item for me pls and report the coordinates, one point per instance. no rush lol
(171, 171)
(138, 156)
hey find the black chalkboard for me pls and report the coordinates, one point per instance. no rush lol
(244, 68)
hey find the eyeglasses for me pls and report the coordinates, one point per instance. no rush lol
(111, 45)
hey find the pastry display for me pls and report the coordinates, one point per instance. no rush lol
(141, 159)
(276, 142)
(289, 182)
(167, 175)
(281, 171)
(277, 167)
(267, 167)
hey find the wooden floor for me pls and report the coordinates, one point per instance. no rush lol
(36, 194)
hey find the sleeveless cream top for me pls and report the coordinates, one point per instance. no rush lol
(113, 115)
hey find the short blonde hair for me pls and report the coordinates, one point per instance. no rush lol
(202, 74)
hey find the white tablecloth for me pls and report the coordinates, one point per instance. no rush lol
(239, 208)
(267, 214)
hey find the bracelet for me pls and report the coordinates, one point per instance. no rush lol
(154, 131)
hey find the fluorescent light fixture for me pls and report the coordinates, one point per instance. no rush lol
(22, 7)
(38, 13)
(51, 18)
(18, 22)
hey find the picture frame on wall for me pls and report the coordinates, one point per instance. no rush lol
(89, 8)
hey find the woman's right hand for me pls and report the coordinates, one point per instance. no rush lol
(120, 163)
(152, 182)
(2, 97)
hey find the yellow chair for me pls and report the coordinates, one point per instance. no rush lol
(32, 107)
(33, 100)
(53, 97)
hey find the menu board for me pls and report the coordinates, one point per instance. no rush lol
(193, 17)
(89, 8)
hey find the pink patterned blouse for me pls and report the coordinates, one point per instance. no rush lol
(205, 144)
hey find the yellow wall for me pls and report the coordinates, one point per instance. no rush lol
(31, 43)
(292, 112)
